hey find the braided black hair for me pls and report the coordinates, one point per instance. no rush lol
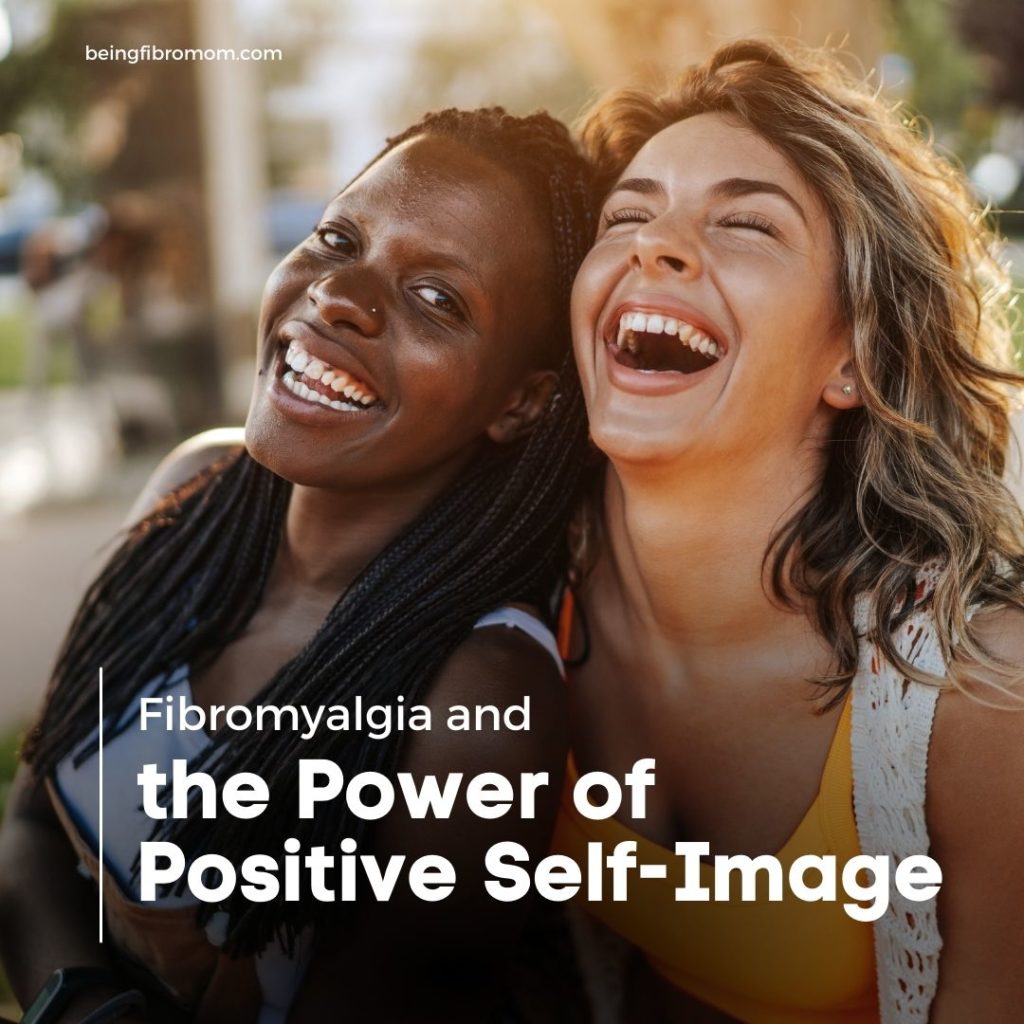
(189, 577)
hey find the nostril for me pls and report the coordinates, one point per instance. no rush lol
(675, 264)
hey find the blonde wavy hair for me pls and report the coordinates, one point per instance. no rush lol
(914, 478)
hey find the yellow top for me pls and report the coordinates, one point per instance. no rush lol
(790, 962)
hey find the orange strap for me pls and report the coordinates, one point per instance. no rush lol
(566, 615)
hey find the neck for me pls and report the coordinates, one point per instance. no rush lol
(331, 536)
(686, 553)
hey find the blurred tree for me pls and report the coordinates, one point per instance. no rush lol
(102, 126)
(503, 52)
(44, 91)
(996, 29)
(948, 84)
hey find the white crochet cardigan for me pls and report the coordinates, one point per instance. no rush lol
(890, 729)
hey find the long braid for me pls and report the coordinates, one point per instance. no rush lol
(188, 578)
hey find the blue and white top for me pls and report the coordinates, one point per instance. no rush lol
(279, 975)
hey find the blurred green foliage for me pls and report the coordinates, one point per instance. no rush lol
(15, 335)
(44, 91)
(949, 83)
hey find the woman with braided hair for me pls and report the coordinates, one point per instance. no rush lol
(392, 530)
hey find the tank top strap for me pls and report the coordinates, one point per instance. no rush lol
(516, 618)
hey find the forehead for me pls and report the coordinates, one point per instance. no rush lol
(439, 188)
(696, 153)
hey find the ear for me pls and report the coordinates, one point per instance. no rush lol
(524, 407)
(841, 391)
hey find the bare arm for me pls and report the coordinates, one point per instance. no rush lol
(48, 910)
(413, 961)
(48, 913)
(976, 819)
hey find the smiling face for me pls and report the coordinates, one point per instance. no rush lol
(410, 326)
(705, 315)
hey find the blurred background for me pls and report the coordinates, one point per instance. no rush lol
(143, 204)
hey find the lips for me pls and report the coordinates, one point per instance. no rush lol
(346, 372)
(673, 332)
(657, 344)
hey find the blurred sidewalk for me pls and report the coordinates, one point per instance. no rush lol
(47, 558)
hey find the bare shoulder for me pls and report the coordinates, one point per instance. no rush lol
(184, 462)
(976, 760)
(975, 811)
(505, 669)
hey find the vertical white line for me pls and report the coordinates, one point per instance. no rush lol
(102, 862)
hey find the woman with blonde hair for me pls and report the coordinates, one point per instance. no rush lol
(801, 581)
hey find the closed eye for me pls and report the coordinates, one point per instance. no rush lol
(753, 221)
(626, 215)
(441, 301)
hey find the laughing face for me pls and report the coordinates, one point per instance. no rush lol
(705, 316)
(409, 329)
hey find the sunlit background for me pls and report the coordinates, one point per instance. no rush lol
(142, 205)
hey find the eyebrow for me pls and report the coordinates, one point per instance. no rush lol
(643, 186)
(734, 188)
(728, 188)
(450, 260)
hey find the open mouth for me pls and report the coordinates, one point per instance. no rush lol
(319, 383)
(662, 344)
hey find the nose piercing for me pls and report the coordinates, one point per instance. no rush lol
(847, 389)
(373, 309)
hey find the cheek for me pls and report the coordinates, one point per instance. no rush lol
(592, 281)
(286, 282)
(785, 319)
(447, 390)
(590, 291)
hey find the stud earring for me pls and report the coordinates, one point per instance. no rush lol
(847, 389)
(373, 309)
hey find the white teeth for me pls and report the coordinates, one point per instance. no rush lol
(631, 323)
(297, 387)
(299, 361)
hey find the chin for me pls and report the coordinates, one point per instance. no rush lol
(638, 433)
(266, 445)
(625, 445)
